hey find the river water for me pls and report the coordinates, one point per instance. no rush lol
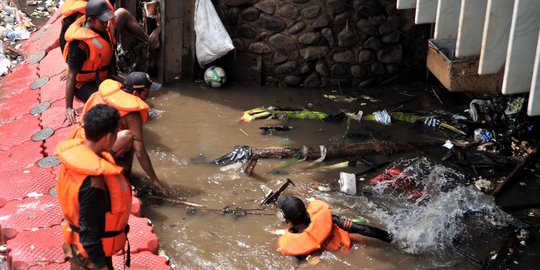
(193, 123)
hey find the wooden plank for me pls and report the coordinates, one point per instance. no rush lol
(172, 40)
(495, 37)
(426, 11)
(188, 48)
(521, 47)
(471, 26)
(447, 21)
(533, 108)
(406, 4)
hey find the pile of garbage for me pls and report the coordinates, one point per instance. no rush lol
(44, 9)
(16, 27)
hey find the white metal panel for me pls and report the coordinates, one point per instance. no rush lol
(471, 25)
(521, 47)
(426, 11)
(533, 108)
(495, 36)
(446, 23)
(405, 4)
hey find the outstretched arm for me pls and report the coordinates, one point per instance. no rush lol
(347, 225)
(126, 22)
(135, 126)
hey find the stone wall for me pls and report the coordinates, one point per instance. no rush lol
(321, 43)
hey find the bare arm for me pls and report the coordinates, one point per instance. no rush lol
(135, 126)
(70, 93)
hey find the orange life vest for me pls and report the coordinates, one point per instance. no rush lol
(321, 233)
(99, 55)
(110, 92)
(79, 162)
(71, 7)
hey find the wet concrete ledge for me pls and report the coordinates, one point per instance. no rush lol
(31, 124)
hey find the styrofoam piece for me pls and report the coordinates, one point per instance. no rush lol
(347, 183)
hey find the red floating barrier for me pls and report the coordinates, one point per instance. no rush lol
(55, 116)
(135, 206)
(18, 131)
(54, 90)
(45, 39)
(31, 213)
(53, 64)
(40, 247)
(60, 135)
(16, 106)
(20, 79)
(32, 180)
(141, 235)
(19, 157)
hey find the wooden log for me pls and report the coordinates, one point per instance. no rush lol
(342, 150)
(516, 171)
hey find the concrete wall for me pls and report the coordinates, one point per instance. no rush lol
(321, 43)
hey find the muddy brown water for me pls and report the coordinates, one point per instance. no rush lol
(195, 122)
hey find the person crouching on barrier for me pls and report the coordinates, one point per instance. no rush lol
(315, 229)
(129, 99)
(94, 195)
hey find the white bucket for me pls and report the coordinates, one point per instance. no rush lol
(347, 183)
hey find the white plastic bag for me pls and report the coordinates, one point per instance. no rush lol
(212, 40)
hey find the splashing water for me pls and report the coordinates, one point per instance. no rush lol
(431, 210)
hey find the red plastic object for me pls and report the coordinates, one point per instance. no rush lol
(54, 90)
(387, 175)
(18, 131)
(396, 179)
(30, 180)
(17, 81)
(53, 64)
(141, 236)
(31, 213)
(143, 260)
(54, 116)
(41, 247)
(16, 106)
(19, 157)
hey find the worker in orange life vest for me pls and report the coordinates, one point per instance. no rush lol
(94, 196)
(128, 99)
(89, 34)
(314, 229)
(123, 21)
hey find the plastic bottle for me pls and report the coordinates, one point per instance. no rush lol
(16, 34)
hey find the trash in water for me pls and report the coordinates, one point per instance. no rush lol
(347, 183)
(272, 129)
(481, 135)
(481, 110)
(340, 98)
(240, 153)
(382, 117)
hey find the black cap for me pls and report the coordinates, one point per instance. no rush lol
(138, 80)
(293, 208)
(99, 9)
